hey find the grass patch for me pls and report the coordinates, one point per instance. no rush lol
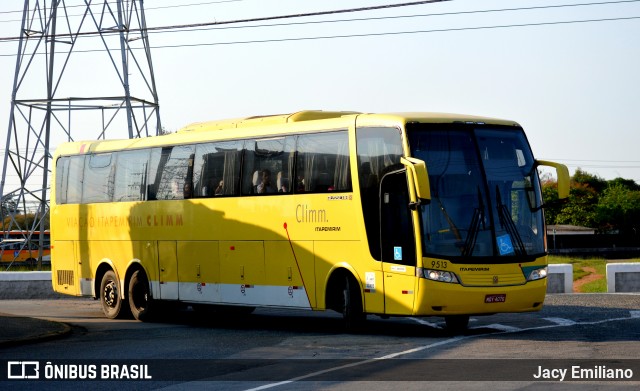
(579, 264)
(23, 268)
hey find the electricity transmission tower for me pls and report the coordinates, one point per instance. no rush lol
(77, 69)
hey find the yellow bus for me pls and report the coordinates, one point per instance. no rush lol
(406, 214)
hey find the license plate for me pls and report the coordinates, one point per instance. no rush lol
(500, 298)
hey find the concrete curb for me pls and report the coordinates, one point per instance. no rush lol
(623, 277)
(18, 330)
(560, 278)
(27, 285)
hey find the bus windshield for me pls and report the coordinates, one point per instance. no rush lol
(485, 193)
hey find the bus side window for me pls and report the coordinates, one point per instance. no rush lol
(175, 168)
(131, 172)
(267, 166)
(216, 170)
(323, 163)
(97, 185)
(62, 181)
(69, 170)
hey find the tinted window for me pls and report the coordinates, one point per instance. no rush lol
(323, 163)
(379, 150)
(175, 168)
(267, 166)
(216, 169)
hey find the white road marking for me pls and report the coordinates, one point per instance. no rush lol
(558, 322)
(498, 326)
(426, 323)
(561, 321)
(355, 364)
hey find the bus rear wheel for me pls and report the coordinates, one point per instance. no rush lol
(140, 301)
(110, 297)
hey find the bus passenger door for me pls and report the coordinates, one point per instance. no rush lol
(397, 241)
(168, 267)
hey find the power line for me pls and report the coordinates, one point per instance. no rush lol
(377, 34)
(213, 25)
(401, 16)
(374, 34)
(308, 14)
(146, 8)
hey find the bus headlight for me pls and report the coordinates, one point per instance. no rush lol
(537, 274)
(438, 275)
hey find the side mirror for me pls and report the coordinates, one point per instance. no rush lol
(418, 171)
(563, 177)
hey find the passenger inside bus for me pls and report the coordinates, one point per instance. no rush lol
(265, 186)
(282, 183)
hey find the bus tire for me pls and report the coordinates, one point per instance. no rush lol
(352, 311)
(139, 295)
(457, 324)
(110, 297)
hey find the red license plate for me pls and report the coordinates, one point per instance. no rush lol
(500, 298)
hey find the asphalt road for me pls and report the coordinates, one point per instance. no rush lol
(287, 350)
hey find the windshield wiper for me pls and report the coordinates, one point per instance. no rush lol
(474, 227)
(507, 223)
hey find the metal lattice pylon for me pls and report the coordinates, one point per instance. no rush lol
(76, 67)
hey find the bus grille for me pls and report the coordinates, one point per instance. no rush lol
(493, 280)
(65, 277)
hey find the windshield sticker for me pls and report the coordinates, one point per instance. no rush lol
(504, 245)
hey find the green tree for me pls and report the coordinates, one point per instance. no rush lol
(581, 207)
(550, 198)
(595, 182)
(9, 206)
(618, 207)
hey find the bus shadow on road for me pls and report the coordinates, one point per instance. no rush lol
(307, 322)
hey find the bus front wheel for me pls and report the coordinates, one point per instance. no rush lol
(110, 296)
(140, 301)
(352, 311)
(457, 323)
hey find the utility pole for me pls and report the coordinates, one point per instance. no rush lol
(83, 71)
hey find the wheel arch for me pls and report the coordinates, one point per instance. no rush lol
(104, 266)
(335, 278)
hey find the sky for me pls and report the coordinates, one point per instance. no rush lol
(568, 71)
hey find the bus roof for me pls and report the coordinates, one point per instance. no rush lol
(300, 116)
(268, 124)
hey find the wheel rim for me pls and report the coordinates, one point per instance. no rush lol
(111, 294)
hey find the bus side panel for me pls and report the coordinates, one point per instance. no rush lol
(199, 271)
(399, 289)
(348, 254)
(117, 253)
(64, 274)
(168, 266)
(284, 261)
(242, 272)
